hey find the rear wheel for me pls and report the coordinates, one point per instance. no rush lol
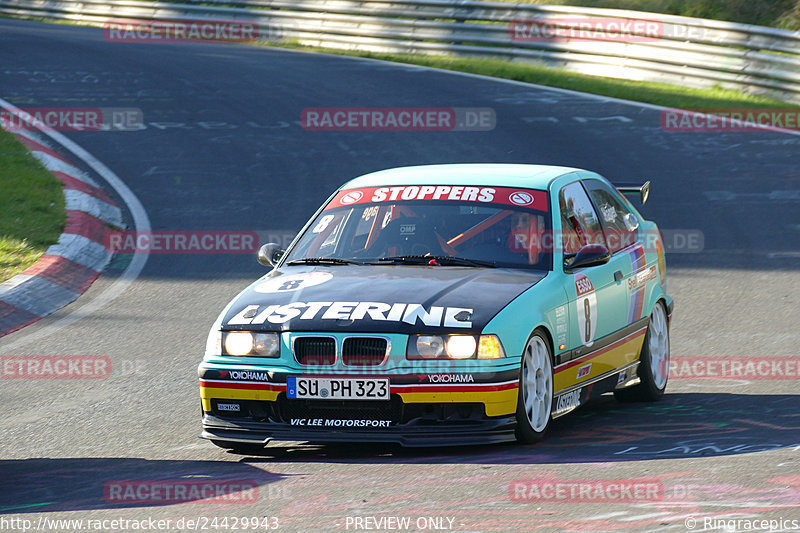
(535, 401)
(653, 363)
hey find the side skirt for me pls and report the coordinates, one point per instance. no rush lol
(574, 397)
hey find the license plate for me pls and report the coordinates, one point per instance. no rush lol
(337, 389)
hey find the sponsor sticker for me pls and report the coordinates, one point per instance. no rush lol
(447, 378)
(584, 371)
(567, 402)
(244, 375)
(521, 198)
(641, 278)
(351, 197)
(435, 316)
(338, 423)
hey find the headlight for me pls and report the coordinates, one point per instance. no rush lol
(251, 344)
(429, 346)
(461, 346)
(454, 347)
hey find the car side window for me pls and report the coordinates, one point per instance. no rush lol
(579, 223)
(619, 223)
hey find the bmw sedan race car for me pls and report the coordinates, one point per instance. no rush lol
(445, 304)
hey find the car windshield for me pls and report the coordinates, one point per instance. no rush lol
(479, 228)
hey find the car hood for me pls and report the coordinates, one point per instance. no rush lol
(386, 299)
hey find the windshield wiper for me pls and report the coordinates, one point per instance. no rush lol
(323, 261)
(436, 260)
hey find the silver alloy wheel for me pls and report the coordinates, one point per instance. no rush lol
(537, 383)
(659, 346)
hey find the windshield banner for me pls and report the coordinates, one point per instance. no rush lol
(529, 198)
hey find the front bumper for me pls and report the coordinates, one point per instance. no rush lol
(466, 433)
(423, 410)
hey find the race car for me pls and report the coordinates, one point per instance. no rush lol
(443, 304)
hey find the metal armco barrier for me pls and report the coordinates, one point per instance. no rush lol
(604, 42)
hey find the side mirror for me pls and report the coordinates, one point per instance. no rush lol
(270, 253)
(588, 256)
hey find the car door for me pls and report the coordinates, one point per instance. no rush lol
(598, 296)
(620, 227)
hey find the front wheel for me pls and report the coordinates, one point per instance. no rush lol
(535, 400)
(653, 363)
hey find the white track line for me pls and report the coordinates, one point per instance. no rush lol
(141, 222)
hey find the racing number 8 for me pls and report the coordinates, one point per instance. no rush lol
(290, 285)
(322, 224)
(587, 312)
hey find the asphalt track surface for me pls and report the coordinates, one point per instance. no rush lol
(223, 150)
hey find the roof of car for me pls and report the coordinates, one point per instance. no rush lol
(498, 174)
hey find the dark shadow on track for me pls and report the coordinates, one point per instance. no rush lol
(72, 484)
(680, 426)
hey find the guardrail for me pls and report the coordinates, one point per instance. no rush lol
(616, 43)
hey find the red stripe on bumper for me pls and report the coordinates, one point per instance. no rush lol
(460, 387)
(247, 386)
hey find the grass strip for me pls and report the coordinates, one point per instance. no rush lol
(32, 214)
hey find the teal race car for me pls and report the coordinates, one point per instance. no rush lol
(443, 304)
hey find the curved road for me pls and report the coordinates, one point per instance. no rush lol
(223, 149)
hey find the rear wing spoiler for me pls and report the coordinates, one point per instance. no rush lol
(642, 190)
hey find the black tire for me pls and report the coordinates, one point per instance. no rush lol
(654, 361)
(535, 400)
